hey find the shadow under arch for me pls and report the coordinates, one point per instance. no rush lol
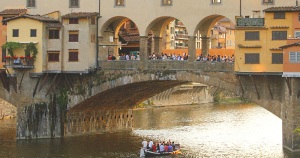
(125, 96)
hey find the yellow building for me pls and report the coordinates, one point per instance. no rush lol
(258, 41)
(26, 29)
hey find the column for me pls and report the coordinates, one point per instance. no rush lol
(143, 48)
(102, 54)
(205, 45)
(157, 45)
(290, 114)
(192, 48)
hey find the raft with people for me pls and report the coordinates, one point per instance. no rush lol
(159, 149)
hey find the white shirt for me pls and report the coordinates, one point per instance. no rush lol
(144, 143)
(150, 144)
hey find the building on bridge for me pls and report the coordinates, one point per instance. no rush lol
(259, 41)
(5, 14)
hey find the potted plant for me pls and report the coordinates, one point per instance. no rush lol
(30, 53)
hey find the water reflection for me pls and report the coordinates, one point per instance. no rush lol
(240, 130)
(243, 130)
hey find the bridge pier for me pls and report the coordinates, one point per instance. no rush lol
(290, 115)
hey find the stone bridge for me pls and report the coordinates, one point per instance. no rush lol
(57, 105)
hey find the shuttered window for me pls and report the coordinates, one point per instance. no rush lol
(53, 56)
(30, 3)
(294, 57)
(74, 3)
(251, 35)
(73, 55)
(279, 15)
(279, 35)
(251, 58)
(73, 36)
(277, 58)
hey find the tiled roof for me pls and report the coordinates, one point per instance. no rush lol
(13, 11)
(283, 9)
(79, 15)
(35, 17)
(131, 38)
(291, 45)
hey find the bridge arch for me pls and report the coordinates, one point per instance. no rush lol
(113, 33)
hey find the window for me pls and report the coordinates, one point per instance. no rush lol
(15, 32)
(279, 15)
(53, 34)
(119, 3)
(279, 35)
(294, 57)
(297, 34)
(32, 32)
(31, 3)
(73, 55)
(251, 35)
(251, 58)
(53, 56)
(74, 3)
(73, 36)
(298, 16)
(267, 1)
(93, 20)
(166, 2)
(73, 21)
(3, 54)
(277, 58)
(216, 1)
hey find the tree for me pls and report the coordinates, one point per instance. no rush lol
(30, 49)
(10, 46)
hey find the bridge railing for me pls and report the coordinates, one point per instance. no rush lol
(166, 65)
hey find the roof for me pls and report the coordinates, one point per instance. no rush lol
(13, 11)
(131, 38)
(291, 45)
(35, 17)
(79, 15)
(283, 9)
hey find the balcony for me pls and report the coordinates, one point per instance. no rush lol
(19, 63)
(246, 22)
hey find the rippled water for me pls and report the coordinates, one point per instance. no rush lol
(239, 130)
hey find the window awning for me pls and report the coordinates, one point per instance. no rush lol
(291, 74)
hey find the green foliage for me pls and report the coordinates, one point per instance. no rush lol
(30, 49)
(10, 46)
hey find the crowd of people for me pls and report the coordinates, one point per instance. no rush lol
(167, 146)
(184, 56)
